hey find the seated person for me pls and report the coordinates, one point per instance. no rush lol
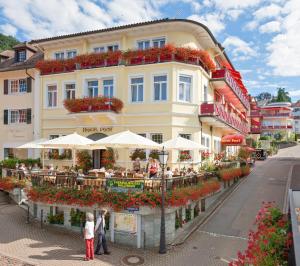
(169, 173)
(35, 167)
(137, 165)
(190, 172)
(176, 172)
(109, 173)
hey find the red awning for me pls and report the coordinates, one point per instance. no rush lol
(231, 140)
(250, 149)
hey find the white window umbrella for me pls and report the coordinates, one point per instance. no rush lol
(36, 144)
(127, 140)
(74, 142)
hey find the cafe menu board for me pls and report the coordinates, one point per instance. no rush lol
(125, 222)
(124, 185)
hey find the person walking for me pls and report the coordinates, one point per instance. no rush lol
(89, 237)
(100, 227)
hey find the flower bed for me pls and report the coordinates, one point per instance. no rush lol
(230, 173)
(8, 184)
(117, 200)
(94, 104)
(269, 244)
(130, 57)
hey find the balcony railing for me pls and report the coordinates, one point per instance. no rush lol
(228, 78)
(277, 127)
(255, 130)
(218, 110)
(255, 113)
(276, 115)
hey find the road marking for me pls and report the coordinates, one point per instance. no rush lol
(221, 235)
(224, 260)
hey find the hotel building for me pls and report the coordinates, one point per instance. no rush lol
(255, 118)
(277, 118)
(19, 86)
(166, 92)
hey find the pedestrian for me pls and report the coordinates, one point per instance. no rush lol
(153, 168)
(100, 227)
(89, 237)
(137, 165)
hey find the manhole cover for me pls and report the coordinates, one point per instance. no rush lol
(133, 260)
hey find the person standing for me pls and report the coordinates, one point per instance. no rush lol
(137, 165)
(100, 227)
(153, 168)
(89, 237)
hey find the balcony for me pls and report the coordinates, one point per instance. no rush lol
(225, 83)
(255, 113)
(216, 115)
(276, 127)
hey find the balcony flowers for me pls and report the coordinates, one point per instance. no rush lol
(120, 200)
(93, 104)
(270, 242)
(228, 174)
(8, 184)
(130, 57)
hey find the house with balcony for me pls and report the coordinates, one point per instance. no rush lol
(19, 102)
(277, 118)
(161, 79)
(296, 118)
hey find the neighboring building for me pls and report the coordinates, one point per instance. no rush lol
(19, 102)
(296, 117)
(277, 118)
(163, 96)
(255, 118)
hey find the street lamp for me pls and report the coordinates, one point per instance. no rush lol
(163, 158)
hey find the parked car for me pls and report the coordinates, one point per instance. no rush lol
(261, 154)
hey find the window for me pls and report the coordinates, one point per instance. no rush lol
(186, 136)
(53, 136)
(157, 137)
(70, 91)
(185, 85)
(142, 45)
(159, 42)
(111, 48)
(217, 146)
(59, 55)
(143, 135)
(99, 49)
(71, 53)
(108, 88)
(17, 86)
(14, 86)
(18, 116)
(160, 88)
(205, 92)
(21, 56)
(205, 141)
(137, 89)
(93, 88)
(52, 96)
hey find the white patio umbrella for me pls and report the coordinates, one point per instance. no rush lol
(35, 144)
(182, 144)
(127, 140)
(74, 142)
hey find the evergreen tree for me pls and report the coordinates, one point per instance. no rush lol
(7, 42)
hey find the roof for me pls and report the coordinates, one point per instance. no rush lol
(134, 25)
(11, 65)
(25, 45)
(7, 53)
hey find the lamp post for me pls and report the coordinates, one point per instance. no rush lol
(163, 158)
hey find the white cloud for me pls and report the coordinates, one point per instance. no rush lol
(251, 25)
(39, 18)
(270, 27)
(294, 93)
(8, 29)
(234, 13)
(235, 4)
(283, 49)
(240, 49)
(212, 20)
(267, 12)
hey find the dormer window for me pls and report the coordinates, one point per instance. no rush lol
(21, 55)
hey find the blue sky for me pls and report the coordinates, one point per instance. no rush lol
(261, 37)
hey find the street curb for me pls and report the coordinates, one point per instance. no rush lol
(285, 208)
(211, 210)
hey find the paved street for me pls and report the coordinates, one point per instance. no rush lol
(215, 243)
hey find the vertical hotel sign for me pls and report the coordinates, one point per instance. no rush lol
(235, 87)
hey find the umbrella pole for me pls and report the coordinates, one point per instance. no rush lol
(43, 158)
(74, 157)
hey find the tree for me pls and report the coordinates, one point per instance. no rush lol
(7, 42)
(282, 96)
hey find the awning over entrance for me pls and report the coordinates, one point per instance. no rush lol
(231, 140)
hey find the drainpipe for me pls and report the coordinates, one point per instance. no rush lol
(26, 71)
(211, 137)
